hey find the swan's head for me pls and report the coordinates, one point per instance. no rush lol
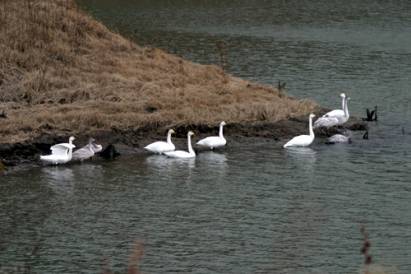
(342, 95)
(71, 139)
(222, 123)
(190, 133)
(171, 131)
(91, 140)
(312, 115)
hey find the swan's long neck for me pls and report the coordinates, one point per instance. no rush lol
(343, 103)
(221, 132)
(346, 108)
(169, 138)
(190, 148)
(311, 126)
(70, 150)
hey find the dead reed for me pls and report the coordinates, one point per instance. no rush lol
(369, 267)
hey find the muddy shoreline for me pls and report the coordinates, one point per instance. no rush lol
(132, 141)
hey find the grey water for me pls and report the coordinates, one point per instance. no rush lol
(251, 207)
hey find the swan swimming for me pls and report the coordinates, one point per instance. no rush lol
(340, 138)
(336, 120)
(303, 140)
(161, 146)
(182, 153)
(87, 151)
(60, 153)
(214, 141)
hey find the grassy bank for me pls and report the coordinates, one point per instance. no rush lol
(62, 72)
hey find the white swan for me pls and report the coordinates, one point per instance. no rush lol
(337, 112)
(303, 140)
(339, 139)
(161, 146)
(214, 141)
(344, 138)
(336, 120)
(87, 151)
(60, 153)
(182, 153)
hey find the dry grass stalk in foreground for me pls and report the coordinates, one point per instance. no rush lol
(134, 261)
(370, 268)
(62, 71)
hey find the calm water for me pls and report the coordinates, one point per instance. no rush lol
(254, 207)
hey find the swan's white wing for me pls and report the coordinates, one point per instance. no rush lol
(213, 141)
(160, 147)
(334, 113)
(60, 149)
(83, 153)
(179, 154)
(301, 140)
(65, 145)
(326, 122)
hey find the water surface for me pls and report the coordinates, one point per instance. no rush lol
(252, 207)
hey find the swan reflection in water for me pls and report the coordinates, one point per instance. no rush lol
(59, 178)
(303, 157)
(214, 163)
(174, 169)
(162, 162)
(212, 158)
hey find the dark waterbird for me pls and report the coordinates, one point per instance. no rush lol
(371, 115)
(109, 152)
(281, 85)
(365, 136)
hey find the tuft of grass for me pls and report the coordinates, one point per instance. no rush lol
(61, 68)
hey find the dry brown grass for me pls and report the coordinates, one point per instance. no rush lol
(62, 71)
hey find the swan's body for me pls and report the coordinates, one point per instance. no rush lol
(303, 140)
(339, 139)
(336, 120)
(326, 122)
(214, 141)
(161, 146)
(181, 153)
(87, 151)
(60, 153)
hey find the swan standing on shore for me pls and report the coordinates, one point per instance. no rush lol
(214, 141)
(60, 153)
(87, 151)
(181, 153)
(161, 146)
(336, 120)
(303, 140)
